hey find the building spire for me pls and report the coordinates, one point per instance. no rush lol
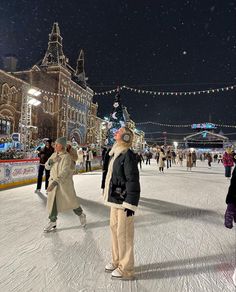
(54, 54)
(79, 72)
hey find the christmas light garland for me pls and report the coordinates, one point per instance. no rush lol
(175, 93)
(180, 126)
(138, 90)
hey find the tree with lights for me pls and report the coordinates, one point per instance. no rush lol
(117, 119)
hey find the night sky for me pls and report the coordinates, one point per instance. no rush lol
(164, 45)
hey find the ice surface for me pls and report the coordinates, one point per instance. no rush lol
(181, 243)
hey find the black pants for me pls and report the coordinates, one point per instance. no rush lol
(88, 165)
(40, 177)
(168, 163)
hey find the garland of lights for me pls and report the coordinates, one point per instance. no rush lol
(181, 126)
(176, 93)
(142, 91)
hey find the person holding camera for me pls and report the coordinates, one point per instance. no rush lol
(121, 192)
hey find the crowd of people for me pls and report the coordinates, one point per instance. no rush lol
(167, 156)
(120, 186)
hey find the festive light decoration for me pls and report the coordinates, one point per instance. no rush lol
(116, 120)
(181, 126)
(142, 91)
(175, 93)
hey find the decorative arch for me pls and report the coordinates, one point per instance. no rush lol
(76, 134)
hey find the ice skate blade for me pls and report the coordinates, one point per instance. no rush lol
(54, 229)
(123, 278)
(109, 271)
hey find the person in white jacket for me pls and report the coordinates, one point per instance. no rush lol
(61, 191)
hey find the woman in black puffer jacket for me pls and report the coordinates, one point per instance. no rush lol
(230, 213)
(121, 192)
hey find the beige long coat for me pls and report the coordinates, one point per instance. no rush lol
(161, 161)
(61, 171)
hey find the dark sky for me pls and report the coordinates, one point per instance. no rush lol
(156, 44)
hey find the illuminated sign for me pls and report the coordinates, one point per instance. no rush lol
(203, 126)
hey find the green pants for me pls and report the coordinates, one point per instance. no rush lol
(53, 215)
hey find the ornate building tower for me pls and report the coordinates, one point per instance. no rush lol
(66, 98)
(54, 54)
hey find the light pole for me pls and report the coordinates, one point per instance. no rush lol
(28, 100)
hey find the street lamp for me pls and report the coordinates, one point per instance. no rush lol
(28, 100)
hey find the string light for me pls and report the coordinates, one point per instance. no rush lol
(176, 93)
(181, 126)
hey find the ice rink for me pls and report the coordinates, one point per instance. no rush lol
(181, 243)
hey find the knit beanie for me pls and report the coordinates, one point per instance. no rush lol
(62, 141)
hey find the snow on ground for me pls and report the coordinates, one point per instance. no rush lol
(180, 241)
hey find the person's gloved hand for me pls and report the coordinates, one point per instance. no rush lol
(52, 186)
(230, 215)
(129, 212)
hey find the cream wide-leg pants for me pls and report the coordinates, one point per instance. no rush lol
(122, 232)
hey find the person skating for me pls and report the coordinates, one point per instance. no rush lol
(61, 191)
(162, 158)
(230, 213)
(121, 192)
(189, 161)
(44, 155)
(140, 159)
(228, 162)
(88, 159)
(209, 159)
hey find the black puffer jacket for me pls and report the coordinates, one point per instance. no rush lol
(231, 196)
(44, 154)
(124, 184)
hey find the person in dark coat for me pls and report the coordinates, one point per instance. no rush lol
(230, 213)
(121, 192)
(140, 159)
(44, 154)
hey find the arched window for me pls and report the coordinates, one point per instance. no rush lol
(5, 92)
(51, 105)
(14, 94)
(45, 103)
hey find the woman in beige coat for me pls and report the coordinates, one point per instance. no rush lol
(61, 191)
(189, 160)
(162, 158)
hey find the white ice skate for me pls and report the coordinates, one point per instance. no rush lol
(110, 268)
(51, 226)
(82, 219)
(234, 277)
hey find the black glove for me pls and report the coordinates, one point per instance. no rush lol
(129, 212)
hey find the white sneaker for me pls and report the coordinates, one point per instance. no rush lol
(37, 191)
(50, 226)
(116, 274)
(82, 219)
(109, 267)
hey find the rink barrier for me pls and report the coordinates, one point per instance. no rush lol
(18, 172)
